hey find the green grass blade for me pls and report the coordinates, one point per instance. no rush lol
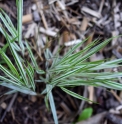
(10, 92)
(9, 28)
(18, 88)
(19, 65)
(67, 74)
(77, 82)
(19, 17)
(7, 73)
(38, 70)
(112, 85)
(93, 51)
(75, 95)
(30, 74)
(17, 61)
(52, 104)
(31, 55)
(10, 65)
(9, 21)
(71, 51)
(76, 56)
(14, 82)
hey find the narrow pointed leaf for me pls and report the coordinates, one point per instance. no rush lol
(52, 104)
(75, 95)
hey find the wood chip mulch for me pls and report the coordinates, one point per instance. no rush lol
(65, 23)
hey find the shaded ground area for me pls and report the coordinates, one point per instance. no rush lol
(65, 23)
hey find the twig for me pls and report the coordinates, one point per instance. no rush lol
(82, 102)
(5, 7)
(27, 18)
(116, 96)
(101, 6)
(47, 32)
(84, 24)
(91, 93)
(91, 12)
(73, 42)
(9, 107)
(40, 7)
(65, 107)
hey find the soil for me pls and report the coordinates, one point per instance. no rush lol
(71, 18)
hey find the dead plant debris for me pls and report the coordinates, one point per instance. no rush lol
(65, 23)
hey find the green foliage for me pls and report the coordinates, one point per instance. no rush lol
(75, 95)
(19, 4)
(71, 70)
(17, 77)
(85, 114)
(52, 104)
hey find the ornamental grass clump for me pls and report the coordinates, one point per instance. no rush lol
(70, 70)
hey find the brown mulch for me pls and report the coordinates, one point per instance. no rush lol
(64, 23)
